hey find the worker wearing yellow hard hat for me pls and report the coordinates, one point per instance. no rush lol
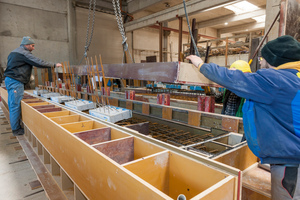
(241, 65)
(233, 104)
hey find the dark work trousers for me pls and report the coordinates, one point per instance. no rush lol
(284, 182)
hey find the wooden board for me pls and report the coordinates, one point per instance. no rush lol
(121, 151)
(43, 106)
(51, 188)
(258, 180)
(167, 113)
(69, 119)
(230, 124)
(82, 126)
(129, 105)
(154, 169)
(194, 118)
(146, 109)
(95, 136)
(56, 114)
(189, 74)
(240, 158)
(47, 110)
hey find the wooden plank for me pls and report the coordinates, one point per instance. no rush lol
(29, 98)
(69, 119)
(56, 114)
(39, 147)
(5, 110)
(36, 77)
(188, 74)
(140, 127)
(258, 180)
(78, 194)
(149, 170)
(129, 105)
(43, 106)
(54, 167)
(194, 118)
(167, 113)
(114, 102)
(35, 184)
(82, 126)
(51, 188)
(185, 176)
(146, 109)
(248, 194)
(223, 190)
(95, 136)
(230, 124)
(34, 144)
(38, 104)
(47, 110)
(66, 182)
(17, 148)
(121, 151)
(240, 158)
(46, 156)
(143, 148)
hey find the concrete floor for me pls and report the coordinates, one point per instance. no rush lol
(15, 177)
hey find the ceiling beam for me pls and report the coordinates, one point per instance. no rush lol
(193, 7)
(230, 18)
(242, 28)
(139, 5)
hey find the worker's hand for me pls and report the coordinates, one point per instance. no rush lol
(58, 65)
(197, 61)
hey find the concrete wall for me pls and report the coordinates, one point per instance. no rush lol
(106, 41)
(44, 21)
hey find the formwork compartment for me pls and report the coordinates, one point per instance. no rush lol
(49, 109)
(82, 126)
(33, 100)
(232, 139)
(127, 149)
(174, 175)
(100, 135)
(39, 104)
(210, 148)
(69, 119)
(59, 113)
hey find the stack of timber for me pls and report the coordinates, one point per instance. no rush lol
(98, 161)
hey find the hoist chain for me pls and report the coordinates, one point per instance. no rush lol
(118, 14)
(88, 38)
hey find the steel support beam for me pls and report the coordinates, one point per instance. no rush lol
(243, 28)
(168, 72)
(193, 7)
(230, 18)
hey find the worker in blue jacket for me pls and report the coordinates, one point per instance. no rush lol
(271, 113)
(19, 66)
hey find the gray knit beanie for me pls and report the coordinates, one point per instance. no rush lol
(27, 40)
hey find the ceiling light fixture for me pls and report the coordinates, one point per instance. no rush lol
(242, 7)
(226, 23)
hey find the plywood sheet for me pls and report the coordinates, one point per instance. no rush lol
(95, 136)
(194, 118)
(240, 158)
(121, 151)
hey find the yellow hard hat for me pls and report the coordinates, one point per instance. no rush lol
(241, 65)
